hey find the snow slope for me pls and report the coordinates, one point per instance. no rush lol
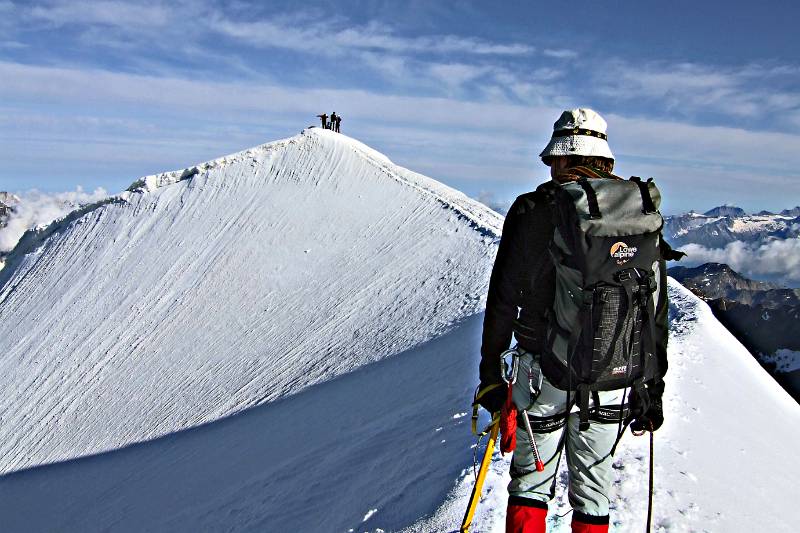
(202, 292)
(387, 448)
(725, 457)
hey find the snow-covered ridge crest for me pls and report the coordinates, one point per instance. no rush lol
(156, 181)
(451, 198)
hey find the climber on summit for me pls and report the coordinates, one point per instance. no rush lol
(324, 118)
(580, 280)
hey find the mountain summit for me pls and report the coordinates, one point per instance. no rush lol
(199, 293)
(725, 211)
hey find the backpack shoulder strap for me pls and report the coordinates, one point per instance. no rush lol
(647, 201)
(543, 198)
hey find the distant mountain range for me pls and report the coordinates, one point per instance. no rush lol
(716, 281)
(762, 316)
(725, 224)
(7, 203)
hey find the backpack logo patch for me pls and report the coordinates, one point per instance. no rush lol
(623, 253)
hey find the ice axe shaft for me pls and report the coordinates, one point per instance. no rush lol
(476, 490)
(537, 459)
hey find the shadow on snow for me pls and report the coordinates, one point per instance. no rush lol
(381, 437)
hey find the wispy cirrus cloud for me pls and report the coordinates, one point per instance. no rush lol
(152, 37)
(751, 91)
(560, 53)
(451, 104)
(338, 38)
(495, 140)
(300, 31)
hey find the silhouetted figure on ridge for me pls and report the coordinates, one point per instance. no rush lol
(324, 118)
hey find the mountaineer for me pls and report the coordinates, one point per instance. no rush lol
(580, 280)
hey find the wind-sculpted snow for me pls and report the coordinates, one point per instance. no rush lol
(199, 293)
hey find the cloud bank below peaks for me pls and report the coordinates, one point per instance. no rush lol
(37, 209)
(777, 260)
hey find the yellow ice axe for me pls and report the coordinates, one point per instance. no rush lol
(476, 490)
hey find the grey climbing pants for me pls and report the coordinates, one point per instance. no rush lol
(587, 453)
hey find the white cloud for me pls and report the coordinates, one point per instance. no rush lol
(455, 75)
(745, 91)
(560, 53)
(495, 139)
(767, 153)
(490, 200)
(37, 209)
(321, 37)
(391, 67)
(778, 259)
(12, 45)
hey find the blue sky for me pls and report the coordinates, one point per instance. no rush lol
(705, 96)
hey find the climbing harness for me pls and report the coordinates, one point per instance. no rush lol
(510, 381)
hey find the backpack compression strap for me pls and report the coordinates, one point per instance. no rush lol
(591, 198)
(648, 206)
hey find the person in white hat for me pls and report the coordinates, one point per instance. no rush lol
(579, 139)
(520, 295)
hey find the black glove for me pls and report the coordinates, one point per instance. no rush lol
(651, 420)
(653, 417)
(494, 399)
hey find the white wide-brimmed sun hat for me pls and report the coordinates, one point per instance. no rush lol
(578, 131)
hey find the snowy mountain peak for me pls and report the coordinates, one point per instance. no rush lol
(310, 139)
(323, 147)
(9, 199)
(201, 292)
(725, 211)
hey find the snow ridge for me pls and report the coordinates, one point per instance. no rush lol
(199, 293)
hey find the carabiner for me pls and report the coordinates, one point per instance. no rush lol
(509, 378)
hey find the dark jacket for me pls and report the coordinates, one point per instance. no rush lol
(515, 304)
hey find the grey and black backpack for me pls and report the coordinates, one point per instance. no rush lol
(601, 327)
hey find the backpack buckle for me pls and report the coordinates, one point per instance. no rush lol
(652, 285)
(625, 275)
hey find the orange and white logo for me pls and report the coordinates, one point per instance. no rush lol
(623, 253)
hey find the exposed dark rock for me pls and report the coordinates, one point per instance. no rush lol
(762, 316)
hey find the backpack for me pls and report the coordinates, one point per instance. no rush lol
(605, 248)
